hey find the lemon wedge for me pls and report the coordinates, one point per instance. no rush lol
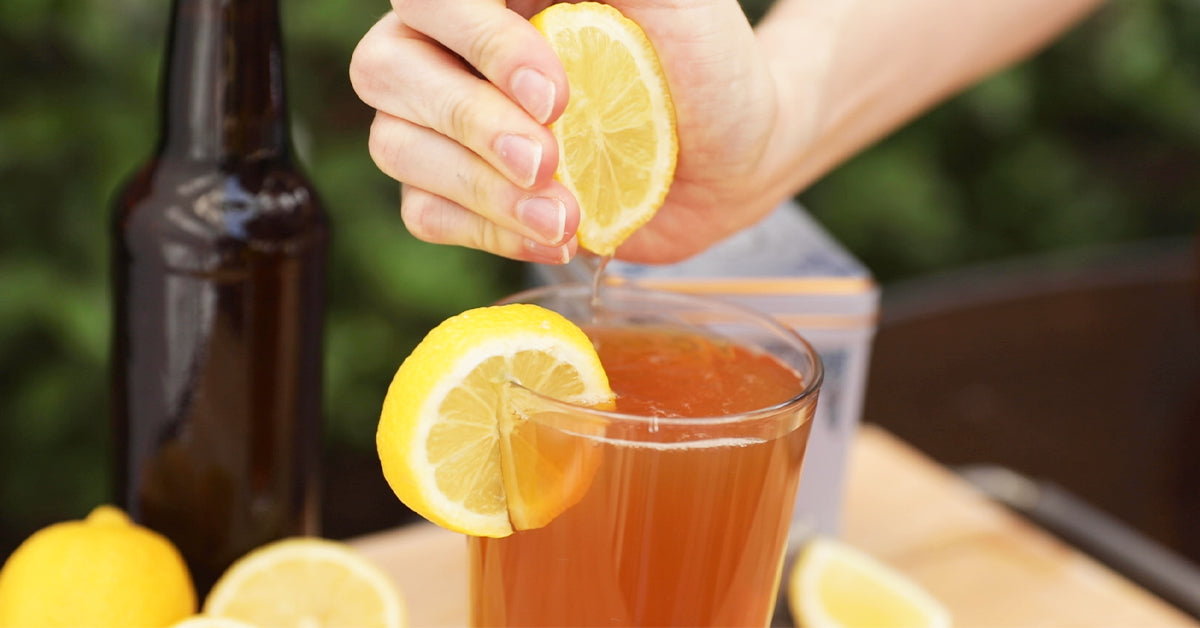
(309, 582)
(834, 585)
(453, 445)
(617, 142)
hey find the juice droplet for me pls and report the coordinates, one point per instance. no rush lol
(598, 265)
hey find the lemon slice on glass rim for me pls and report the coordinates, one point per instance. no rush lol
(453, 446)
(617, 141)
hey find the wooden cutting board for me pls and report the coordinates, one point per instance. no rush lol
(991, 568)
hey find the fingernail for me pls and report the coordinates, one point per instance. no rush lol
(546, 217)
(547, 254)
(535, 92)
(521, 155)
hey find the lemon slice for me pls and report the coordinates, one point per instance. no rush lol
(833, 585)
(453, 445)
(617, 143)
(309, 583)
(209, 621)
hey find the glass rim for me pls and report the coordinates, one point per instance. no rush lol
(811, 385)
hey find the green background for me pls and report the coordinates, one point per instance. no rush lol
(1094, 141)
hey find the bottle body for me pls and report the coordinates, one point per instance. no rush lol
(218, 276)
(218, 261)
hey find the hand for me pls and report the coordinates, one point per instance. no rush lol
(464, 90)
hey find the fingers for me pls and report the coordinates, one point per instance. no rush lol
(500, 44)
(435, 219)
(414, 79)
(460, 201)
(475, 157)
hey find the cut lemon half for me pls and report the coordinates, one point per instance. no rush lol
(307, 583)
(617, 143)
(833, 585)
(455, 446)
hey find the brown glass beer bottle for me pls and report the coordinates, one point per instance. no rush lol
(219, 255)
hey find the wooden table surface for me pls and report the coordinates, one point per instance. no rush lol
(990, 567)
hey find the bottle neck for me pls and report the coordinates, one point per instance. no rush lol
(224, 87)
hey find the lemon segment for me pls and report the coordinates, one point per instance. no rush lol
(617, 141)
(309, 582)
(453, 445)
(833, 585)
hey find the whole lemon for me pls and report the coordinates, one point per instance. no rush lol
(104, 572)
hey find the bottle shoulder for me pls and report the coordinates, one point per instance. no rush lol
(264, 207)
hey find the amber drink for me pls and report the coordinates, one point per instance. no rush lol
(684, 518)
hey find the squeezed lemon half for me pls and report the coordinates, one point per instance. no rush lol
(617, 142)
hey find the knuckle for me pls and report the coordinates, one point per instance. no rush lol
(405, 7)
(416, 210)
(485, 43)
(478, 191)
(361, 77)
(487, 237)
(369, 60)
(456, 114)
(387, 147)
(468, 113)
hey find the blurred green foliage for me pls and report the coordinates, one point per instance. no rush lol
(1095, 140)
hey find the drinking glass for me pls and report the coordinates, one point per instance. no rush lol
(669, 520)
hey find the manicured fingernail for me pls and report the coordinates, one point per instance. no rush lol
(547, 254)
(535, 92)
(521, 155)
(546, 217)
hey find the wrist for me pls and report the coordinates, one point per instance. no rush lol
(797, 40)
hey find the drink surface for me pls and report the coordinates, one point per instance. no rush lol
(667, 372)
(680, 525)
